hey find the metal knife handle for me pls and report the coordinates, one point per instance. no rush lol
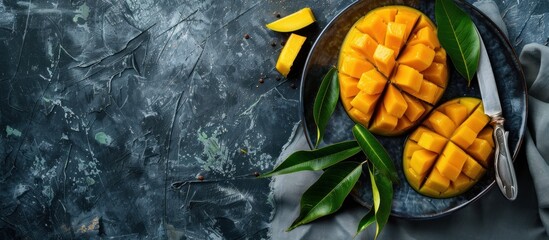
(505, 172)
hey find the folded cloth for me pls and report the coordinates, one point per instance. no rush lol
(491, 217)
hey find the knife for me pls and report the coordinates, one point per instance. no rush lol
(503, 163)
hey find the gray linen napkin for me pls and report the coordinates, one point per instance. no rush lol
(491, 217)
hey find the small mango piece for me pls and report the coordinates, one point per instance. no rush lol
(487, 134)
(366, 45)
(441, 123)
(407, 17)
(463, 136)
(417, 56)
(360, 116)
(422, 161)
(372, 82)
(457, 112)
(354, 67)
(437, 73)
(440, 56)
(348, 86)
(423, 22)
(482, 151)
(374, 26)
(383, 121)
(394, 38)
(294, 21)
(394, 102)
(408, 79)
(365, 102)
(387, 14)
(437, 181)
(384, 59)
(414, 110)
(448, 170)
(426, 36)
(289, 53)
(477, 120)
(432, 141)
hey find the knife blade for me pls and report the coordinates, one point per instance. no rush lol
(503, 162)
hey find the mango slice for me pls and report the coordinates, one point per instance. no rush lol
(445, 157)
(395, 56)
(294, 21)
(289, 53)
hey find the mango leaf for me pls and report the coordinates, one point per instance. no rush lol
(457, 34)
(317, 159)
(327, 194)
(325, 102)
(366, 221)
(382, 190)
(375, 152)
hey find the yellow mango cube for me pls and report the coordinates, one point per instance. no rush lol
(387, 14)
(354, 67)
(422, 160)
(360, 116)
(455, 155)
(365, 102)
(426, 36)
(294, 21)
(408, 79)
(394, 38)
(374, 26)
(366, 45)
(410, 148)
(470, 104)
(415, 179)
(428, 92)
(383, 121)
(418, 132)
(447, 169)
(440, 56)
(418, 56)
(414, 110)
(348, 85)
(456, 112)
(481, 150)
(403, 124)
(372, 82)
(423, 22)
(394, 102)
(407, 17)
(473, 169)
(384, 59)
(289, 53)
(487, 134)
(441, 123)
(437, 73)
(437, 181)
(463, 136)
(429, 191)
(477, 120)
(432, 141)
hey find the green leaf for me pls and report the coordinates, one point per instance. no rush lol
(325, 102)
(327, 194)
(375, 152)
(366, 221)
(316, 159)
(457, 34)
(382, 190)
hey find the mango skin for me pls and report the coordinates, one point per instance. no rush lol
(455, 168)
(401, 45)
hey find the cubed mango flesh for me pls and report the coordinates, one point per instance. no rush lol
(348, 85)
(394, 102)
(389, 48)
(418, 56)
(384, 59)
(372, 82)
(461, 159)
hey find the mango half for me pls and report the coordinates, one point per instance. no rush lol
(451, 150)
(392, 69)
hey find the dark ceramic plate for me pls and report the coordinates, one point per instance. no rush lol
(511, 87)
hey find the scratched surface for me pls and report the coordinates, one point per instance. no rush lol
(112, 111)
